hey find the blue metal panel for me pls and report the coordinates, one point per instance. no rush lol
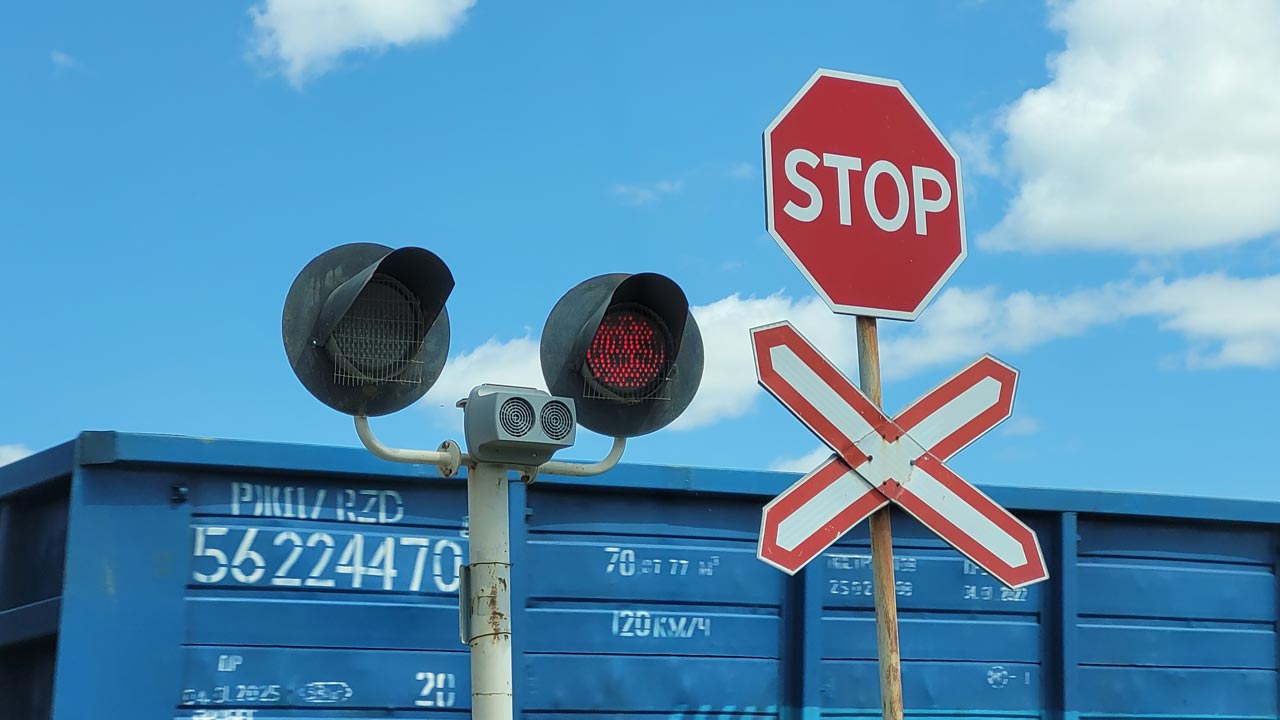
(967, 642)
(26, 680)
(31, 553)
(944, 689)
(33, 533)
(249, 618)
(39, 470)
(171, 451)
(216, 579)
(520, 626)
(326, 595)
(261, 593)
(649, 602)
(1066, 594)
(323, 679)
(30, 622)
(807, 697)
(1177, 619)
(122, 602)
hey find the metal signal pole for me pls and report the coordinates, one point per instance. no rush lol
(485, 592)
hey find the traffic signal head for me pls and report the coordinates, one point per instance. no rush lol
(365, 327)
(626, 349)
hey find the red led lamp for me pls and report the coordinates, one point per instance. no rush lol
(630, 353)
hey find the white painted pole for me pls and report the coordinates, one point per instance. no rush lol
(490, 593)
(488, 625)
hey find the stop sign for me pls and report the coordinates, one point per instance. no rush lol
(863, 193)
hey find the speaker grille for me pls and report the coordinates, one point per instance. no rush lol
(556, 420)
(516, 416)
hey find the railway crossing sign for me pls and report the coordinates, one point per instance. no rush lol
(878, 460)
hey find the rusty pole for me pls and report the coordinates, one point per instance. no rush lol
(489, 589)
(886, 597)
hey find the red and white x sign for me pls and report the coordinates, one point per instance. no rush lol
(878, 460)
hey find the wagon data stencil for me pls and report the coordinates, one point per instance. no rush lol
(384, 562)
(878, 460)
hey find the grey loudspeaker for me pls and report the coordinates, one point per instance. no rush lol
(517, 426)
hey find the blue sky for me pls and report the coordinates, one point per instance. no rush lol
(167, 169)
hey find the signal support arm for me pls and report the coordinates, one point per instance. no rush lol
(556, 467)
(450, 457)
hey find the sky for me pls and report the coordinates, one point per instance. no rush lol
(166, 169)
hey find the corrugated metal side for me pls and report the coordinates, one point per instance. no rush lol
(1176, 619)
(238, 595)
(234, 581)
(122, 602)
(26, 680)
(33, 535)
(641, 603)
(968, 643)
(334, 594)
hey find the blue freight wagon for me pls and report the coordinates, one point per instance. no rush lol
(165, 577)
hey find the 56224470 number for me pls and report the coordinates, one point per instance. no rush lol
(341, 560)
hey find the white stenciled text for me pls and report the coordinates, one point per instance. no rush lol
(301, 559)
(364, 505)
(630, 562)
(643, 623)
(437, 690)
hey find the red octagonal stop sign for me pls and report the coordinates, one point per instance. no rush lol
(864, 195)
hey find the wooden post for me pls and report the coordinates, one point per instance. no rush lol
(886, 596)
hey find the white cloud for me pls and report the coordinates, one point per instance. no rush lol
(514, 362)
(729, 386)
(1020, 425)
(959, 327)
(803, 464)
(975, 151)
(1156, 134)
(1230, 322)
(1227, 322)
(742, 171)
(646, 193)
(305, 38)
(63, 61)
(13, 453)
(962, 324)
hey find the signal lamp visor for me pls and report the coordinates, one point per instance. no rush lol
(380, 338)
(630, 355)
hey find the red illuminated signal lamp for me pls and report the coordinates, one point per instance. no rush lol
(626, 349)
(630, 354)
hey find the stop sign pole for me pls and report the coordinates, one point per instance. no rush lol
(863, 194)
(883, 585)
